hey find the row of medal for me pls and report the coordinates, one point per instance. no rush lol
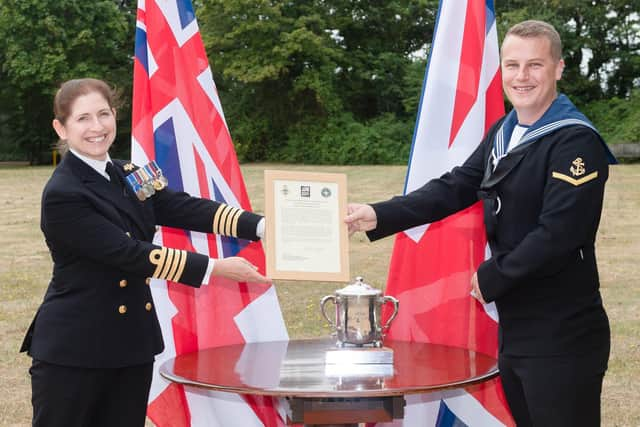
(146, 180)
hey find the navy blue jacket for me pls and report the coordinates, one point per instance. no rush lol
(542, 274)
(98, 311)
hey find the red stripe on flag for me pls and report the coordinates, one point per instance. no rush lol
(434, 288)
(142, 119)
(203, 185)
(141, 16)
(494, 101)
(492, 396)
(470, 65)
(203, 179)
(265, 408)
(161, 43)
(162, 410)
(184, 325)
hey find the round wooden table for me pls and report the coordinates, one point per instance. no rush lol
(330, 394)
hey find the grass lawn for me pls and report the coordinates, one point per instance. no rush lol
(25, 268)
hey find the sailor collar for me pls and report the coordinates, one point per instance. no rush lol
(560, 114)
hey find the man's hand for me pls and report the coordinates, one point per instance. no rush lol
(360, 217)
(475, 288)
(238, 269)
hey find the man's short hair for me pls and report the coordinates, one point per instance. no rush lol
(533, 28)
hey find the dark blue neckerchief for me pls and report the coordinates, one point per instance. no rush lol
(561, 113)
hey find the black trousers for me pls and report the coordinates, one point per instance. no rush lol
(65, 396)
(554, 391)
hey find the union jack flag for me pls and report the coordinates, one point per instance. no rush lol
(178, 121)
(431, 266)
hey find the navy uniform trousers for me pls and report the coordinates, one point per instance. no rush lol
(554, 391)
(66, 396)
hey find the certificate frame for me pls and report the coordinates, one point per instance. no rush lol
(286, 212)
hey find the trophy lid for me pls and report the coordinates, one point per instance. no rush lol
(358, 288)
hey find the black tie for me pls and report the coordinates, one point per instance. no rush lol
(113, 176)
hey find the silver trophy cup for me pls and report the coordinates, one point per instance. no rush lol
(357, 314)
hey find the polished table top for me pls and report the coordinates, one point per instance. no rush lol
(297, 368)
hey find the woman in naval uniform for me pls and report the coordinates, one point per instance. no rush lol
(94, 337)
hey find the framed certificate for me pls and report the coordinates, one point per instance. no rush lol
(306, 237)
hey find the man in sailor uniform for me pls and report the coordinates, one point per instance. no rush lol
(540, 172)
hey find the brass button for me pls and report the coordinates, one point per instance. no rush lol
(148, 306)
(122, 309)
(123, 283)
(147, 280)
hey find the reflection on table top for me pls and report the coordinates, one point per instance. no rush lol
(297, 369)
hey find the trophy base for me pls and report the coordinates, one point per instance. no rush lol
(359, 362)
(372, 370)
(359, 355)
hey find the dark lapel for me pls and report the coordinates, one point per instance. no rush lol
(507, 164)
(103, 189)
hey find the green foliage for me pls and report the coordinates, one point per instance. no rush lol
(601, 43)
(322, 81)
(382, 140)
(343, 140)
(618, 120)
(336, 81)
(45, 42)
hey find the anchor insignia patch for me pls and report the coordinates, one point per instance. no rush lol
(578, 168)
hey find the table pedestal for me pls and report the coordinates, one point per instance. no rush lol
(345, 411)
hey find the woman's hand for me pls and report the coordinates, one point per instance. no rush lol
(475, 288)
(238, 269)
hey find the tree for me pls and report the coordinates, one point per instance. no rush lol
(45, 42)
(378, 39)
(323, 81)
(601, 41)
(273, 63)
(293, 75)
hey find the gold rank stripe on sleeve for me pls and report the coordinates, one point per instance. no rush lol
(574, 181)
(225, 221)
(169, 263)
